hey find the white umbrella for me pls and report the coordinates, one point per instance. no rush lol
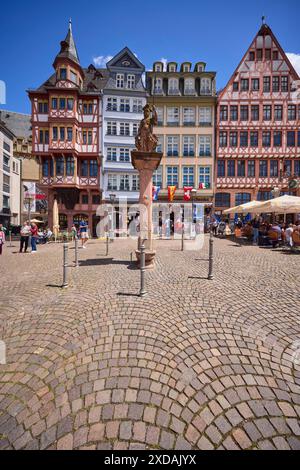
(55, 219)
(243, 208)
(279, 205)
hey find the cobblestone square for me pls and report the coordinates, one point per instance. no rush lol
(195, 364)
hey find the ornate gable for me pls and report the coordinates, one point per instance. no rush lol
(125, 59)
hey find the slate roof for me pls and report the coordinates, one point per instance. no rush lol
(19, 124)
(68, 47)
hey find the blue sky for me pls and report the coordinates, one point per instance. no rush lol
(217, 32)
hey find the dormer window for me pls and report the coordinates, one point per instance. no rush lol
(173, 85)
(120, 80)
(130, 81)
(172, 68)
(158, 68)
(63, 74)
(186, 68)
(200, 68)
(189, 86)
(158, 85)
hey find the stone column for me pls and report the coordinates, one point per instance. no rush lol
(146, 163)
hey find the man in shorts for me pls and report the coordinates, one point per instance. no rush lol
(84, 235)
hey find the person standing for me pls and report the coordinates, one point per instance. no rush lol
(25, 234)
(34, 236)
(83, 228)
(2, 239)
(255, 225)
(74, 232)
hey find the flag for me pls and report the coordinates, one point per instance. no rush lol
(203, 185)
(171, 192)
(155, 191)
(187, 192)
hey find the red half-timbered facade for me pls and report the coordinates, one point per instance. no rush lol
(258, 126)
(66, 133)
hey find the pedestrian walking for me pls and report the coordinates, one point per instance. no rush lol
(34, 236)
(25, 234)
(83, 228)
(74, 232)
(2, 240)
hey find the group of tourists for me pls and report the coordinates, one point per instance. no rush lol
(259, 231)
(81, 232)
(31, 233)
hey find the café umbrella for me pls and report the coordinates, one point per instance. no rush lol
(55, 219)
(280, 205)
(243, 208)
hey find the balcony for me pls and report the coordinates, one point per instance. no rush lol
(69, 181)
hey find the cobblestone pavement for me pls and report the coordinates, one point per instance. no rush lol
(196, 364)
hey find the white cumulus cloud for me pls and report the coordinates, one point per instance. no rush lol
(102, 60)
(295, 61)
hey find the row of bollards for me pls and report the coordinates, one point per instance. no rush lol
(65, 262)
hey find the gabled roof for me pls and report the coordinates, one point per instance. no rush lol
(68, 48)
(125, 59)
(263, 31)
(19, 124)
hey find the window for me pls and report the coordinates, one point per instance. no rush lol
(259, 54)
(124, 128)
(88, 108)
(54, 133)
(124, 155)
(188, 176)
(233, 139)
(291, 112)
(158, 85)
(158, 68)
(160, 144)
(84, 137)
(62, 133)
(234, 113)
(223, 139)
(135, 127)
(90, 137)
(268, 54)
(204, 146)
(297, 167)
(291, 139)
(267, 112)
(189, 146)
(277, 138)
(111, 128)
(267, 84)
(111, 154)
(254, 138)
(244, 113)
(43, 107)
(173, 86)
(274, 168)
(189, 86)
(244, 139)
(278, 112)
(266, 139)
(235, 86)
(255, 84)
(160, 116)
(172, 175)
(6, 202)
(221, 168)
(242, 198)
(73, 76)
(275, 55)
(130, 81)
(70, 104)
(251, 56)
(224, 113)
(125, 105)
(135, 183)
(45, 168)
(138, 106)
(222, 200)
(275, 84)
(157, 177)
(54, 103)
(172, 116)
(251, 169)
(241, 168)
(287, 167)
(186, 68)
(205, 116)
(120, 80)
(172, 68)
(59, 166)
(69, 134)
(124, 183)
(112, 182)
(204, 176)
(188, 116)
(284, 83)
(93, 168)
(172, 146)
(230, 168)
(69, 166)
(112, 104)
(205, 86)
(63, 74)
(263, 168)
(264, 195)
(84, 169)
(62, 103)
(244, 84)
(96, 199)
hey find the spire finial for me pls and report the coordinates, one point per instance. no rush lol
(70, 24)
(263, 19)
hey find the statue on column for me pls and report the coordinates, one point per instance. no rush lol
(145, 140)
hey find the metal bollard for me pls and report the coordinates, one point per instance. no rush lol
(65, 266)
(107, 244)
(10, 239)
(182, 238)
(210, 256)
(142, 269)
(76, 253)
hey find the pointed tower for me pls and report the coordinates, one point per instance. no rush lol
(67, 64)
(258, 118)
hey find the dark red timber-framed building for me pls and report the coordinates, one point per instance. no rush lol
(258, 127)
(66, 133)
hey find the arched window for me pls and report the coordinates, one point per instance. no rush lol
(189, 85)
(158, 85)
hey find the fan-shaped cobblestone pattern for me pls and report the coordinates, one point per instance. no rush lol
(196, 364)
